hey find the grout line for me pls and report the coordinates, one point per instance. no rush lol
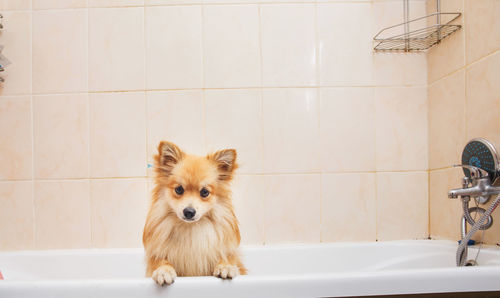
(239, 174)
(428, 162)
(427, 122)
(186, 4)
(144, 46)
(87, 5)
(375, 113)
(261, 90)
(376, 208)
(88, 169)
(464, 44)
(222, 88)
(261, 116)
(316, 43)
(33, 209)
(428, 203)
(146, 110)
(441, 168)
(33, 206)
(77, 179)
(91, 236)
(466, 123)
(319, 101)
(87, 26)
(321, 208)
(88, 94)
(203, 79)
(89, 196)
(263, 202)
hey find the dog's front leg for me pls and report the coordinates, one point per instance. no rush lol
(164, 274)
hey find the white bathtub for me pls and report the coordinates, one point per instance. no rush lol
(323, 270)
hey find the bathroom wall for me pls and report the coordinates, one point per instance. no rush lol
(464, 103)
(332, 138)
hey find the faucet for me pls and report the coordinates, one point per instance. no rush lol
(480, 186)
(481, 168)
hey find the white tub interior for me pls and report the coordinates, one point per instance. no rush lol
(282, 268)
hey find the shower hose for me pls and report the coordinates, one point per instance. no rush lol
(461, 256)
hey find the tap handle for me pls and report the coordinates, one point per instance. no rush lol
(475, 171)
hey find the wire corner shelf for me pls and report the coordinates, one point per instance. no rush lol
(419, 39)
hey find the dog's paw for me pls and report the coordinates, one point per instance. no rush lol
(226, 271)
(164, 274)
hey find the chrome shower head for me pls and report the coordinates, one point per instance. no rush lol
(481, 153)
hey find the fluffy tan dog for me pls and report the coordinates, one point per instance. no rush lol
(191, 229)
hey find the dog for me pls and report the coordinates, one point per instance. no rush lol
(191, 228)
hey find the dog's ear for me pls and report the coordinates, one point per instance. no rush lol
(168, 156)
(226, 163)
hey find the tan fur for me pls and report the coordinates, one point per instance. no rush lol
(207, 246)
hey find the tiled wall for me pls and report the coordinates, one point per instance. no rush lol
(464, 103)
(332, 138)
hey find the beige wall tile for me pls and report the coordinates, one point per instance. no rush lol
(50, 4)
(248, 201)
(61, 136)
(349, 25)
(16, 39)
(62, 214)
(445, 214)
(492, 235)
(233, 119)
(402, 206)
(225, 1)
(288, 45)
(16, 215)
(349, 207)
(291, 130)
(347, 125)
(116, 49)
(273, 1)
(231, 46)
(118, 212)
(15, 141)
(483, 99)
(60, 50)
(173, 47)
(385, 14)
(482, 28)
(446, 121)
(171, 2)
(401, 129)
(275, 130)
(447, 116)
(397, 69)
(449, 55)
(115, 3)
(117, 134)
(391, 12)
(281, 217)
(175, 116)
(15, 4)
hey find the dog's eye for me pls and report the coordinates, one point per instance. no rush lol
(204, 193)
(179, 190)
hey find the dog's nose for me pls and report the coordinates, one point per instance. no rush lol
(189, 212)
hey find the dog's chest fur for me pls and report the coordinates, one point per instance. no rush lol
(194, 249)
